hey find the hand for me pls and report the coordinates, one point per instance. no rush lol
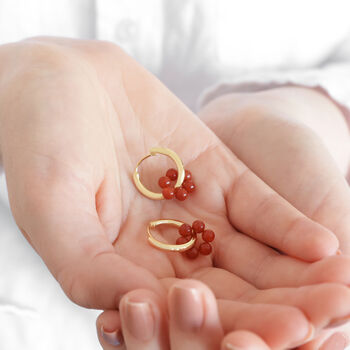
(297, 313)
(297, 141)
(76, 118)
(193, 322)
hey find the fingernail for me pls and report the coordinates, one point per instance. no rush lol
(187, 308)
(231, 347)
(113, 338)
(336, 322)
(139, 320)
(309, 336)
(338, 341)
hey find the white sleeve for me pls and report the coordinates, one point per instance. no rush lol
(333, 80)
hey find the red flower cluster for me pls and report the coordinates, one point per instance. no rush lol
(187, 232)
(180, 193)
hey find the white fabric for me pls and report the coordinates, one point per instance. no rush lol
(333, 80)
(190, 45)
(34, 312)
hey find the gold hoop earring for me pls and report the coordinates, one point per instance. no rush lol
(187, 240)
(165, 246)
(183, 185)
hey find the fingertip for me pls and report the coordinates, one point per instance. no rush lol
(113, 338)
(199, 291)
(338, 341)
(293, 327)
(109, 331)
(109, 320)
(192, 284)
(158, 305)
(243, 340)
(328, 243)
(194, 316)
(316, 242)
(143, 317)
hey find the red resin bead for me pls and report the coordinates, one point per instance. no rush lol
(188, 175)
(185, 230)
(208, 235)
(182, 240)
(205, 248)
(189, 237)
(164, 181)
(180, 193)
(192, 253)
(198, 226)
(168, 192)
(172, 174)
(189, 186)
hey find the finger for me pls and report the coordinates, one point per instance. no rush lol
(243, 340)
(109, 330)
(324, 304)
(341, 328)
(317, 188)
(327, 199)
(144, 321)
(266, 268)
(338, 341)
(255, 209)
(336, 201)
(293, 160)
(194, 319)
(316, 343)
(263, 320)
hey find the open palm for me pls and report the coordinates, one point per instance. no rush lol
(278, 144)
(79, 115)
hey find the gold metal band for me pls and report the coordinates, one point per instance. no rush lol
(165, 246)
(154, 151)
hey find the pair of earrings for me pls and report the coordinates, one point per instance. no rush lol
(184, 185)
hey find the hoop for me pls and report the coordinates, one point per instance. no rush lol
(165, 246)
(154, 151)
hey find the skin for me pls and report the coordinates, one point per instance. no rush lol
(251, 125)
(272, 130)
(208, 336)
(76, 118)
